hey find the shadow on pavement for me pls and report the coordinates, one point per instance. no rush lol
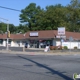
(48, 68)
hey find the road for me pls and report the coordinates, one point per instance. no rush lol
(38, 67)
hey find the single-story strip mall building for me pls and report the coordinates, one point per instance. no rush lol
(39, 39)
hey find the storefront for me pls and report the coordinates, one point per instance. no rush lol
(36, 39)
(39, 39)
(39, 43)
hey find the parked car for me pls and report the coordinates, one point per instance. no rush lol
(26, 45)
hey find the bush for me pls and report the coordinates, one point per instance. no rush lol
(75, 47)
(53, 47)
(59, 47)
(65, 47)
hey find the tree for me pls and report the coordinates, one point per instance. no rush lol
(28, 15)
(21, 28)
(3, 27)
(12, 28)
(74, 15)
(52, 17)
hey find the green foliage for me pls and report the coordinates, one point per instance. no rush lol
(29, 15)
(65, 47)
(3, 27)
(12, 28)
(52, 17)
(75, 47)
(33, 17)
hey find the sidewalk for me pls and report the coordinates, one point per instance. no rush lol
(40, 53)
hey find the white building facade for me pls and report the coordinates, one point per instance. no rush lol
(39, 39)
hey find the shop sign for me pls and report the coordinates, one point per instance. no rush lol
(61, 31)
(62, 36)
(71, 39)
(33, 33)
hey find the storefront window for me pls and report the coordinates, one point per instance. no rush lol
(23, 42)
(34, 43)
(44, 43)
(9, 41)
(1, 41)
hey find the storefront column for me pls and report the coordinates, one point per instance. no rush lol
(54, 42)
(4, 43)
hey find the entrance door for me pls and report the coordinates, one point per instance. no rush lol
(34, 43)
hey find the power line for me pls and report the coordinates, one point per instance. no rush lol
(10, 8)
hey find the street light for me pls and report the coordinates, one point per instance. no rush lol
(7, 32)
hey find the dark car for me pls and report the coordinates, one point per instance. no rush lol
(26, 45)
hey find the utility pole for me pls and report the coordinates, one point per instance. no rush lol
(7, 47)
(7, 34)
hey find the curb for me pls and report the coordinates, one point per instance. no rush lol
(40, 53)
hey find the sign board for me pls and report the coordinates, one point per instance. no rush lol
(71, 39)
(57, 36)
(64, 37)
(33, 33)
(61, 31)
(78, 45)
(46, 49)
(62, 40)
